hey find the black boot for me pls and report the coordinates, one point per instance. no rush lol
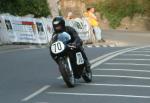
(87, 65)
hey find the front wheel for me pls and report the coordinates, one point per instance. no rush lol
(67, 72)
(87, 74)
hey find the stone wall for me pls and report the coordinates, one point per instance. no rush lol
(138, 23)
(75, 6)
(53, 5)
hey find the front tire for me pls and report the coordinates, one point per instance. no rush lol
(66, 73)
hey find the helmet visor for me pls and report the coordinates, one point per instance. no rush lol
(58, 27)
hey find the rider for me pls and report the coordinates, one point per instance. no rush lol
(59, 27)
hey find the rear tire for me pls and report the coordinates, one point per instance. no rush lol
(67, 75)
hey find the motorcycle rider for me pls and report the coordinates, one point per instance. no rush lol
(59, 27)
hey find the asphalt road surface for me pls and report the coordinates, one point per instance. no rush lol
(120, 75)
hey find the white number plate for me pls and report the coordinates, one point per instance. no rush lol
(79, 58)
(57, 47)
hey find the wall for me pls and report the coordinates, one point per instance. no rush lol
(75, 6)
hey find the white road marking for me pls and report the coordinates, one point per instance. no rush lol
(105, 46)
(146, 49)
(35, 93)
(41, 102)
(132, 64)
(116, 85)
(106, 55)
(97, 46)
(60, 77)
(130, 59)
(100, 95)
(121, 52)
(89, 46)
(146, 55)
(120, 76)
(140, 51)
(112, 45)
(126, 70)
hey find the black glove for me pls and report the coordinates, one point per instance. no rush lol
(73, 44)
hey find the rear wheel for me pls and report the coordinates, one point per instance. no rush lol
(67, 72)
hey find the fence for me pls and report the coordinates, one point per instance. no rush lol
(39, 31)
(83, 28)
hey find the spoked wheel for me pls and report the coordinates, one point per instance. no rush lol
(87, 75)
(67, 73)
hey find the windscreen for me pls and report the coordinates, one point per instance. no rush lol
(64, 37)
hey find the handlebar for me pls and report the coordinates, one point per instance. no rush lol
(71, 46)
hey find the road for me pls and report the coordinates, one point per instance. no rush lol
(120, 74)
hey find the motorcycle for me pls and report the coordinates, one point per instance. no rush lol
(69, 59)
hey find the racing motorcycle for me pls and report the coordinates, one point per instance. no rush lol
(69, 59)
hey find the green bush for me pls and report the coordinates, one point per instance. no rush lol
(146, 4)
(116, 10)
(23, 7)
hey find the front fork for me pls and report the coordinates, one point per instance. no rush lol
(69, 65)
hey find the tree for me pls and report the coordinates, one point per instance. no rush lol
(23, 7)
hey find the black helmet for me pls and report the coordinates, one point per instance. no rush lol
(58, 24)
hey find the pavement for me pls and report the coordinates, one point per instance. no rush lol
(127, 38)
(120, 75)
(108, 43)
